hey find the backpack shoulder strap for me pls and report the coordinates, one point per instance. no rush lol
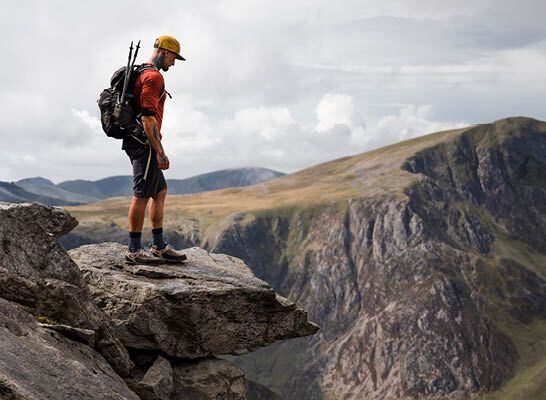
(144, 67)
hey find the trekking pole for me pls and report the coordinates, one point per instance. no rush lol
(127, 73)
(134, 58)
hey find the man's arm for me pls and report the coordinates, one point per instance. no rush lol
(150, 127)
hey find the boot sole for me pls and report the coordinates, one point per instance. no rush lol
(136, 262)
(174, 261)
(181, 261)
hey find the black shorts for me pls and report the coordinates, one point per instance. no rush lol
(154, 181)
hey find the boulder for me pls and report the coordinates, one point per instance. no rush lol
(212, 304)
(38, 274)
(156, 383)
(207, 379)
(39, 363)
(159, 378)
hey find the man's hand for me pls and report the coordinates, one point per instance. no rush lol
(150, 127)
(162, 161)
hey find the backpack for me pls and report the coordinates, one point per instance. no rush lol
(118, 119)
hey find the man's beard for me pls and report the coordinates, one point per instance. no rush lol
(159, 62)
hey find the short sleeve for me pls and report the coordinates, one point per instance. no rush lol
(152, 86)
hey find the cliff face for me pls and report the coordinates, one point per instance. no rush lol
(429, 292)
(423, 262)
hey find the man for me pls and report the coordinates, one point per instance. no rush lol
(148, 157)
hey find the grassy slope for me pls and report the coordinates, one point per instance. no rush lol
(370, 174)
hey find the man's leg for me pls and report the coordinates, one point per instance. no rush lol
(159, 249)
(137, 212)
(157, 208)
(137, 209)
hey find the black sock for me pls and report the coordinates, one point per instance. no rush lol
(135, 241)
(158, 238)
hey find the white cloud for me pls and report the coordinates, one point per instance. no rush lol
(263, 86)
(526, 65)
(336, 109)
(92, 122)
(265, 136)
(269, 123)
(272, 137)
(412, 121)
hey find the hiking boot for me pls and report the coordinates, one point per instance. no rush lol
(141, 257)
(169, 254)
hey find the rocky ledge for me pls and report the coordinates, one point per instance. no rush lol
(85, 325)
(211, 304)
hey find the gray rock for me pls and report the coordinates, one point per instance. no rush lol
(38, 363)
(176, 379)
(85, 336)
(208, 379)
(49, 323)
(38, 274)
(211, 304)
(157, 383)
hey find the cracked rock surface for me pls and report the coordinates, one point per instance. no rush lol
(39, 363)
(118, 332)
(212, 304)
(38, 274)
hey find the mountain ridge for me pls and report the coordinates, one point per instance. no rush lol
(422, 262)
(39, 189)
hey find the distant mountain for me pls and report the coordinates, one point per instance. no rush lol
(12, 193)
(123, 185)
(81, 191)
(34, 181)
(44, 187)
(222, 179)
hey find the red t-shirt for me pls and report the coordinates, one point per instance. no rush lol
(150, 95)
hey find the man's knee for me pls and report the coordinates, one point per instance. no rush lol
(139, 202)
(140, 199)
(160, 195)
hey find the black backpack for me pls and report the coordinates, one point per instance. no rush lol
(120, 119)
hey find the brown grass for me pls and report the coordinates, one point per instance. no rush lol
(369, 174)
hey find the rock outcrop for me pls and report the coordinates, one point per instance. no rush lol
(116, 331)
(175, 379)
(208, 379)
(212, 304)
(38, 363)
(38, 274)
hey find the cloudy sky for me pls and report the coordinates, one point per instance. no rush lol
(276, 84)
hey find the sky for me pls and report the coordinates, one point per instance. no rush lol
(276, 84)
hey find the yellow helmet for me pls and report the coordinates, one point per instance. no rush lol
(169, 43)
